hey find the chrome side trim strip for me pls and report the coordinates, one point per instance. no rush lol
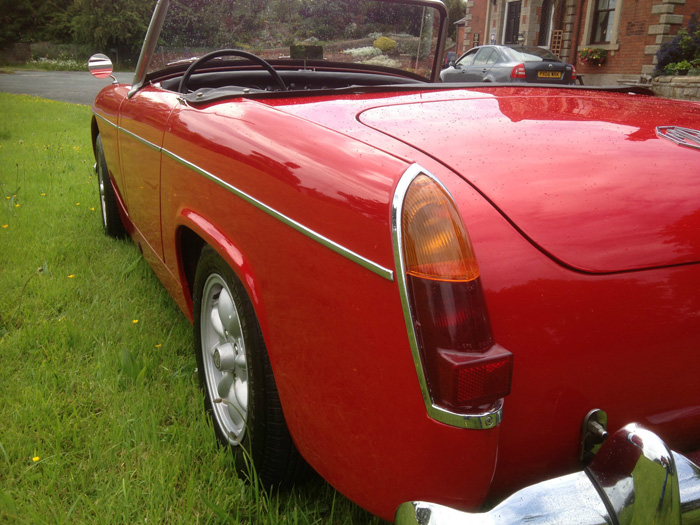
(325, 241)
(476, 421)
(328, 243)
(132, 135)
(142, 140)
(105, 120)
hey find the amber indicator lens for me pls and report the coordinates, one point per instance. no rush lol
(436, 244)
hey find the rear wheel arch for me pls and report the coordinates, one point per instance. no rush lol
(189, 248)
(192, 237)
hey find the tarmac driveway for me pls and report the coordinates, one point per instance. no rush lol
(76, 87)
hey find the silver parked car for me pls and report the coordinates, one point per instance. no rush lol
(509, 64)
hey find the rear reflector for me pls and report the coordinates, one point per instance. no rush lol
(473, 380)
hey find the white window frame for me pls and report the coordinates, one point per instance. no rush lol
(588, 29)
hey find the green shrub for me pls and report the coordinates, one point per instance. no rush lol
(385, 44)
(685, 47)
(683, 66)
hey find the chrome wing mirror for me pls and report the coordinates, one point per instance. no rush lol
(101, 67)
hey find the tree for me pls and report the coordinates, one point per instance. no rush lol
(118, 24)
(456, 10)
(33, 21)
(325, 20)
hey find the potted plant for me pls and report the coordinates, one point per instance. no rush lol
(594, 56)
(682, 67)
(670, 70)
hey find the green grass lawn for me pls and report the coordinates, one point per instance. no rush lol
(101, 418)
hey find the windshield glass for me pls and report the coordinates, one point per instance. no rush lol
(352, 31)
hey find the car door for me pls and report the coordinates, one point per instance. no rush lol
(501, 65)
(483, 61)
(459, 71)
(142, 123)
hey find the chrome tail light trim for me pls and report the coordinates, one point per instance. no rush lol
(475, 421)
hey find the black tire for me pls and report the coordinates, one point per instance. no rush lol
(111, 220)
(234, 366)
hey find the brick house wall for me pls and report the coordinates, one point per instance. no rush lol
(639, 28)
(470, 29)
(642, 26)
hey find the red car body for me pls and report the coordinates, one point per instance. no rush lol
(583, 216)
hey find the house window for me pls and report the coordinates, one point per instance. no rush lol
(602, 24)
(603, 18)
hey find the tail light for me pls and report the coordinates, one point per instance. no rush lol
(463, 369)
(518, 72)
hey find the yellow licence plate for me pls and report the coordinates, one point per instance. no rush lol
(549, 74)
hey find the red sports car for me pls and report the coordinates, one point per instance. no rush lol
(433, 295)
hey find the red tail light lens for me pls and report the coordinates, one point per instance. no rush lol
(518, 72)
(463, 368)
(451, 314)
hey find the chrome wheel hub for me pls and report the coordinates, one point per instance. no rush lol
(224, 357)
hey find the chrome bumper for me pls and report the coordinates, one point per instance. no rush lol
(634, 478)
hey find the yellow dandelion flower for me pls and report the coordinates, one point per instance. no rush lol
(5, 225)
(71, 276)
(158, 345)
(35, 459)
(135, 321)
(17, 205)
(92, 209)
(43, 194)
(77, 204)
